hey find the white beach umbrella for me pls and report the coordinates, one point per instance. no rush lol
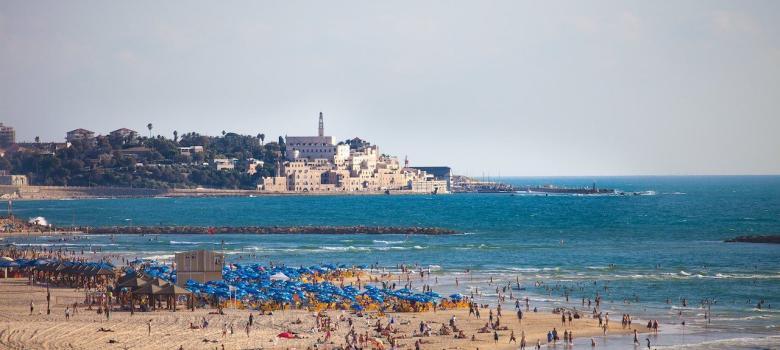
(6, 258)
(279, 277)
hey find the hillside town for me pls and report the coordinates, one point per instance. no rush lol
(294, 164)
(316, 164)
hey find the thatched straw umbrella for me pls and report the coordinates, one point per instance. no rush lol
(150, 290)
(172, 292)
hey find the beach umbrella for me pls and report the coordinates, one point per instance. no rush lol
(174, 290)
(433, 295)
(148, 288)
(159, 282)
(133, 283)
(5, 258)
(279, 277)
(104, 272)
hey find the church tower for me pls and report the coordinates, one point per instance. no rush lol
(322, 126)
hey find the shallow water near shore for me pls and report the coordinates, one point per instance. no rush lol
(664, 245)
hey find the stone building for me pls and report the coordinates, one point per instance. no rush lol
(79, 135)
(7, 135)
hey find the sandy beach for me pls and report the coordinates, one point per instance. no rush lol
(171, 330)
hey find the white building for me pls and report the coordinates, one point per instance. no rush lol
(190, 150)
(79, 135)
(225, 163)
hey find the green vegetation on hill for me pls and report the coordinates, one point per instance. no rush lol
(146, 162)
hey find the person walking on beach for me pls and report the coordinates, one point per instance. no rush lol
(67, 313)
(495, 337)
(512, 337)
(149, 327)
(32, 307)
(636, 339)
(251, 319)
(522, 340)
(520, 316)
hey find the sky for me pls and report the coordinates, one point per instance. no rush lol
(525, 88)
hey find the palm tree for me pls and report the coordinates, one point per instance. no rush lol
(37, 139)
(149, 126)
(223, 133)
(175, 136)
(262, 138)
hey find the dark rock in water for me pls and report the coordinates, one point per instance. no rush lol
(267, 230)
(775, 239)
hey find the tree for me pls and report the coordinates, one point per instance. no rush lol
(262, 138)
(175, 136)
(149, 126)
(223, 133)
(37, 139)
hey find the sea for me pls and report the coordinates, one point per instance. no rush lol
(643, 252)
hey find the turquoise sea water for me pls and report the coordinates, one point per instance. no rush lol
(663, 245)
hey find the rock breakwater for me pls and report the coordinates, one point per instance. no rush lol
(416, 230)
(774, 239)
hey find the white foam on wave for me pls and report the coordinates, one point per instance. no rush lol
(40, 220)
(186, 242)
(387, 242)
(160, 257)
(772, 342)
(524, 269)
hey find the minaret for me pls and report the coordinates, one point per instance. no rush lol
(322, 126)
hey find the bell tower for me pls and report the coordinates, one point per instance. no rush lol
(322, 126)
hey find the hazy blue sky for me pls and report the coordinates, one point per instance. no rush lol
(520, 88)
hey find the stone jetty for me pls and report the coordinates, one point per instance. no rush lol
(416, 230)
(774, 239)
